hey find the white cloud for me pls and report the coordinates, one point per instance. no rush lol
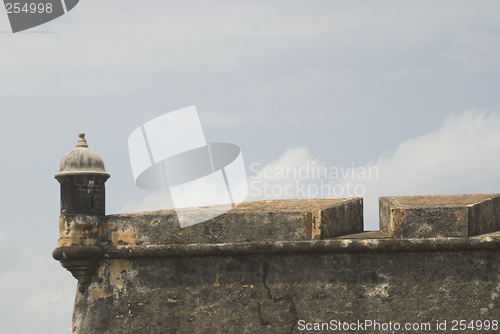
(286, 177)
(461, 156)
(293, 168)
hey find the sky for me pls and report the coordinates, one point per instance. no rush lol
(409, 89)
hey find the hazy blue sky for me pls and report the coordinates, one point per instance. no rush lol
(409, 87)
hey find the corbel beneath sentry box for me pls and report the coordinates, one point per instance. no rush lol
(81, 261)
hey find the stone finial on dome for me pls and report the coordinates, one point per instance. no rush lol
(81, 140)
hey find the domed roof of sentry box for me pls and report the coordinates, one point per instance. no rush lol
(81, 160)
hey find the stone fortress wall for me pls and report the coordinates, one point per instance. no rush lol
(278, 266)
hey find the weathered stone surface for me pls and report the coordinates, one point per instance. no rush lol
(439, 216)
(80, 230)
(284, 220)
(272, 293)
